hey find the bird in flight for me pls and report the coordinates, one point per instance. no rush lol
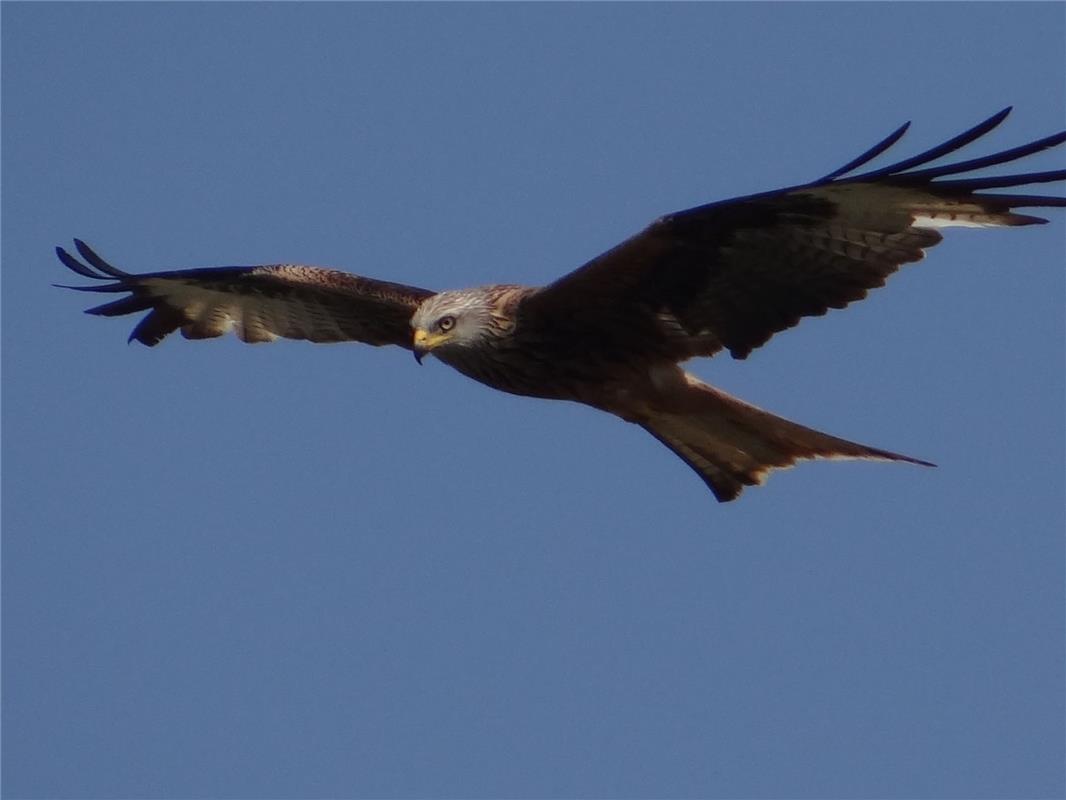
(612, 334)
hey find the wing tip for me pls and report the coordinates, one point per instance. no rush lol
(1000, 115)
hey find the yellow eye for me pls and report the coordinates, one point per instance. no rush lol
(446, 323)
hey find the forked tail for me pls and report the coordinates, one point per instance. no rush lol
(731, 444)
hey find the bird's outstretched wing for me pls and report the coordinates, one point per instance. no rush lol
(732, 274)
(258, 303)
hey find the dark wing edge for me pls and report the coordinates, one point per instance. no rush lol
(734, 272)
(903, 173)
(259, 303)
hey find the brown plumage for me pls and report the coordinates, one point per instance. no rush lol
(726, 275)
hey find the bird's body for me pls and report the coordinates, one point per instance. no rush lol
(510, 352)
(613, 333)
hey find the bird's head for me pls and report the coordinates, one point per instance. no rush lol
(451, 321)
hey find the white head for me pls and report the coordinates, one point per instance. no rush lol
(452, 320)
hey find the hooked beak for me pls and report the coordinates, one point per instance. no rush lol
(423, 343)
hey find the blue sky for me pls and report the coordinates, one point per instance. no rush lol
(299, 571)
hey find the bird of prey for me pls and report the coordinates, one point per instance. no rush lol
(723, 276)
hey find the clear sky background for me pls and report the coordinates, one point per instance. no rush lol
(311, 571)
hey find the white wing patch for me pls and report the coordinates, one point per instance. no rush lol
(957, 221)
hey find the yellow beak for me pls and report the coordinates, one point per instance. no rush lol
(424, 342)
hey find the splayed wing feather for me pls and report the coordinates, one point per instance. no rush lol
(933, 153)
(870, 154)
(994, 159)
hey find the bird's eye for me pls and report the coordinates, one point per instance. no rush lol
(446, 323)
